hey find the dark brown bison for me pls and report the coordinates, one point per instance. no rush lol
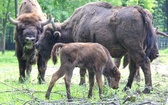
(120, 29)
(126, 59)
(29, 26)
(93, 56)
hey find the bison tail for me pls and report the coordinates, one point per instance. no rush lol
(150, 38)
(55, 51)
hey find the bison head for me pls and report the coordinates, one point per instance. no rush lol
(28, 29)
(154, 53)
(47, 40)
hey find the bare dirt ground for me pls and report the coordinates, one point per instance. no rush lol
(157, 67)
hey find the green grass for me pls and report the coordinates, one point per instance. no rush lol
(14, 93)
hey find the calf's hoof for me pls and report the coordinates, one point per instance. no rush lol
(47, 96)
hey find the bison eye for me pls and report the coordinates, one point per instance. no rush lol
(48, 33)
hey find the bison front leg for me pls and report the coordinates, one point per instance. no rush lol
(41, 69)
(91, 82)
(82, 76)
(28, 70)
(132, 67)
(147, 74)
(137, 75)
(22, 68)
(117, 62)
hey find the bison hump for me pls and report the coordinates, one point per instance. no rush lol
(100, 4)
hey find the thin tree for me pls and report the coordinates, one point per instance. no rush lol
(4, 23)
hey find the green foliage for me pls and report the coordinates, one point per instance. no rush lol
(148, 4)
(62, 9)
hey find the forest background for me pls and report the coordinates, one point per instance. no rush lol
(62, 9)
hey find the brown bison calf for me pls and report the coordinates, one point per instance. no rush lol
(92, 56)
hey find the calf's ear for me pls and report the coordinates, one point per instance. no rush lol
(115, 70)
(57, 34)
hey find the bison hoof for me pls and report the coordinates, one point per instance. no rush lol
(125, 88)
(40, 80)
(22, 79)
(82, 82)
(146, 90)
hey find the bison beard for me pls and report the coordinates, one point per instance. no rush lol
(120, 29)
(29, 26)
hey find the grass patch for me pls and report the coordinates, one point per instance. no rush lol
(14, 93)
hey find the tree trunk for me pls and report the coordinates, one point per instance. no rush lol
(16, 8)
(3, 36)
(166, 14)
(4, 21)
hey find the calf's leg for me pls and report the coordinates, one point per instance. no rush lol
(91, 82)
(67, 79)
(61, 71)
(82, 76)
(99, 81)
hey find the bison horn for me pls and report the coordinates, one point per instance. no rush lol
(162, 33)
(15, 22)
(45, 22)
(53, 24)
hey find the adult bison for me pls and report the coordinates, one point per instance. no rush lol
(127, 57)
(29, 26)
(120, 29)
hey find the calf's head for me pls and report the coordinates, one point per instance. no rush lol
(113, 77)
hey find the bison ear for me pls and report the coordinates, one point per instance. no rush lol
(57, 34)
